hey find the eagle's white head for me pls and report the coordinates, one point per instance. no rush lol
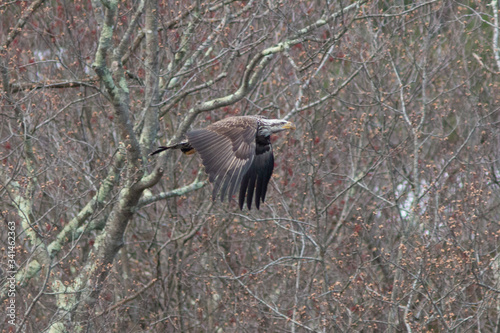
(270, 126)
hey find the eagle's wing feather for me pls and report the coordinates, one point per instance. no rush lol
(227, 149)
(258, 175)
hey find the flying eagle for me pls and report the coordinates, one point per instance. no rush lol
(236, 151)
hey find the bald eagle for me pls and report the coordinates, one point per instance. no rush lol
(236, 151)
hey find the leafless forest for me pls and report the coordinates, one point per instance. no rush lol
(383, 211)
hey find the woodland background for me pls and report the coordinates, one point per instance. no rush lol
(383, 211)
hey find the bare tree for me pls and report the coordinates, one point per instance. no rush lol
(383, 210)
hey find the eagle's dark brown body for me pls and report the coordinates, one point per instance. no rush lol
(236, 152)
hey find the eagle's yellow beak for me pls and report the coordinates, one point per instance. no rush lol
(289, 125)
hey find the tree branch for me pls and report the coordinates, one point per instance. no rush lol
(195, 185)
(119, 93)
(127, 299)
(20, 23)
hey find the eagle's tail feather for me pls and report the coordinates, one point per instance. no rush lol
(185, 147)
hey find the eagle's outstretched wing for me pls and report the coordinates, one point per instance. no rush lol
(227, 149)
